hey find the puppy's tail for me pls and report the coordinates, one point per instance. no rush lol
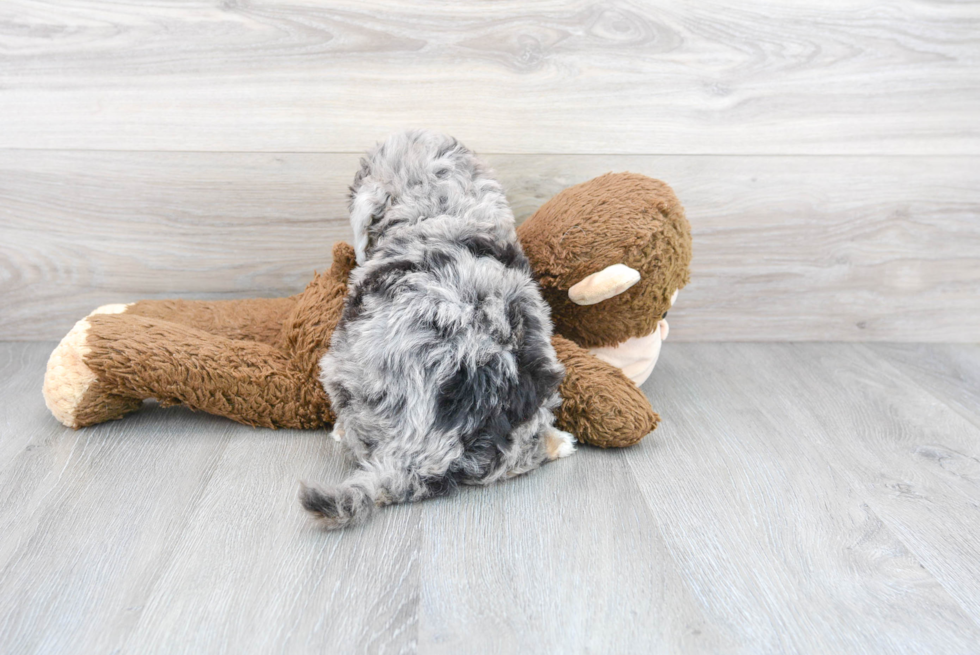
(352, 501)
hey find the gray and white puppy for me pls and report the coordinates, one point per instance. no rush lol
(441, 370)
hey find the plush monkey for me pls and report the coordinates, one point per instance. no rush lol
(610, 255)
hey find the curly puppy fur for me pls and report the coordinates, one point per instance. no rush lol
(441, 370)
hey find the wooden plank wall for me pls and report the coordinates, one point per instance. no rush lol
(828, 156)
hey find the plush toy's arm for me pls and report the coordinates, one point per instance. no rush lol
(344, 261)
(600, 405)
(306, 329)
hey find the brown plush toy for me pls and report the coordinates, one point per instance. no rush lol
(610, 253)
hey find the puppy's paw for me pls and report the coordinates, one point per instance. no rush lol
(558, 444)
(337, 434)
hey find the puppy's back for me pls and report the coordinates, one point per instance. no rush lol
(445, 331)
(441, 370)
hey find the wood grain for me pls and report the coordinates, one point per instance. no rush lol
(769, 519)
(796, 498)
(913, 460)
(255, 574)
(808, 248)
(804, 498)
(849, 76)
(785, 248)
(949, 372)
(172, 531)
(91, 517)
(78, 228)
(569, 559)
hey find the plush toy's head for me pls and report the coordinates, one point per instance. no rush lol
(610, 255)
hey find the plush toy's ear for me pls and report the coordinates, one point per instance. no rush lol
(610, 281)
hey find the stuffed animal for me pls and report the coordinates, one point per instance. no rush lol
(610, 254)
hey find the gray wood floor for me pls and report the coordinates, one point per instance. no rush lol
(797, 498)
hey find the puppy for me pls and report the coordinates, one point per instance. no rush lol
(441, 370)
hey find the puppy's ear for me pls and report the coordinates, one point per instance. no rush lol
(367, 206)
(358, 179)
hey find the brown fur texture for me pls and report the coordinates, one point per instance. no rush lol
(256, 361)
(254, 319)
(253, 361)
(600, 405)
(617, 218)
(249, 381)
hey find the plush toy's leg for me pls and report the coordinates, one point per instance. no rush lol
(109, 359)
(72, 391)
(600, 405)
(217, 356)
(253, 319)
(261, 319)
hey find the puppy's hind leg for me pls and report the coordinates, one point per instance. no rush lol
(557, 443)
(337, 434)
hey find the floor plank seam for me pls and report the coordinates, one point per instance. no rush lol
(936, 576)
(163, 567)
(971, 418)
